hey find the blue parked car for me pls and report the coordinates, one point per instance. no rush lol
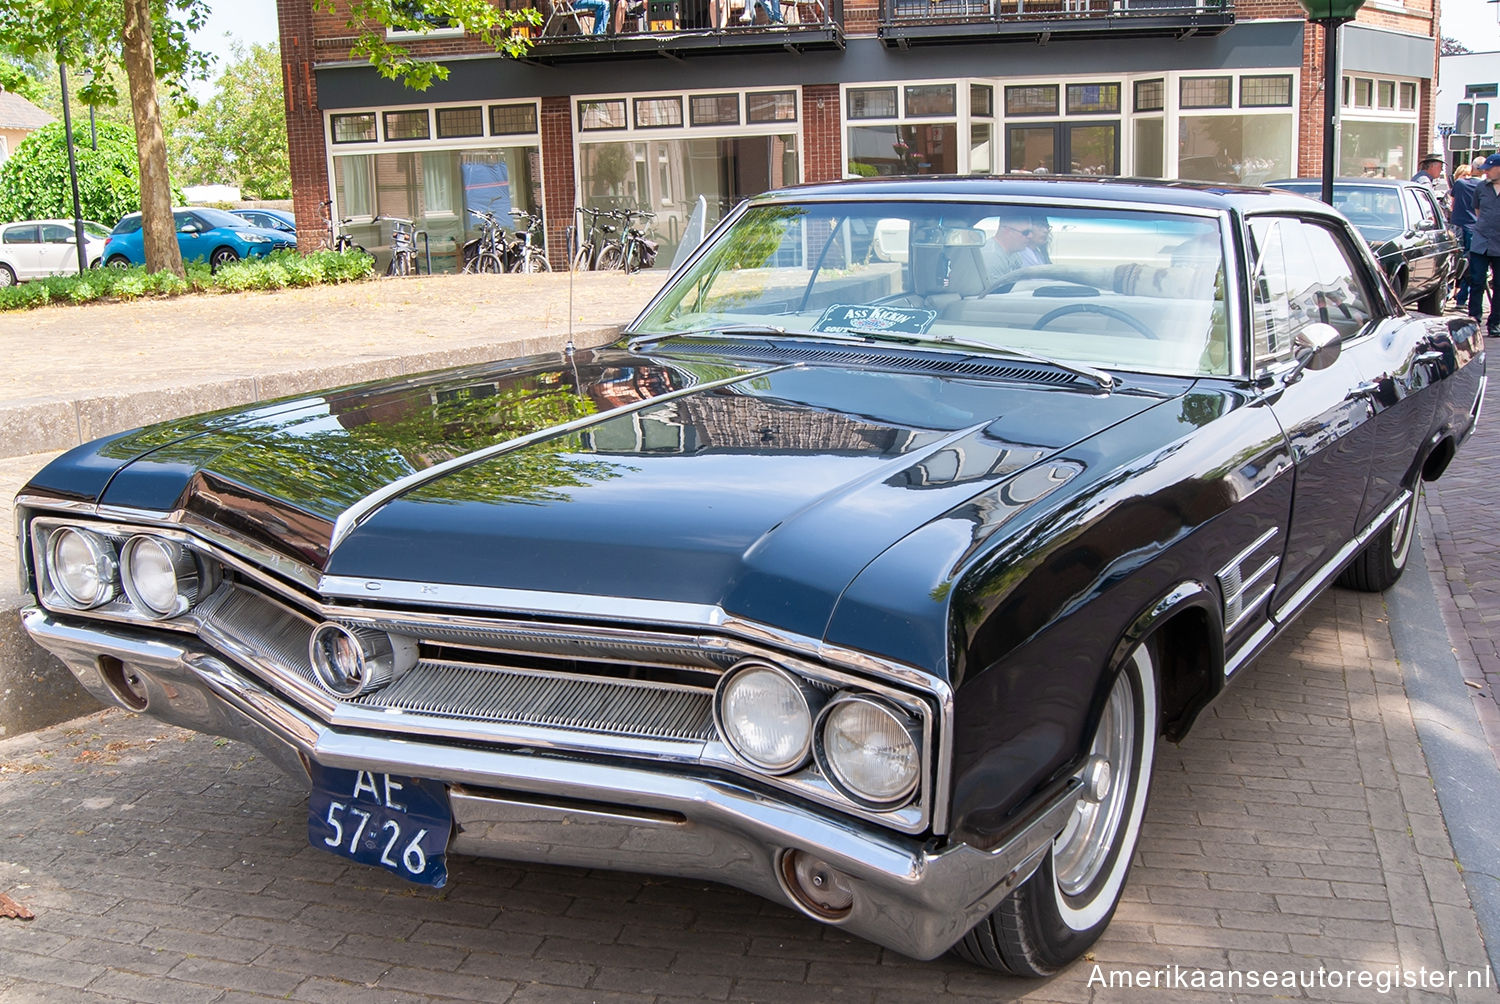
(268, 219)
(202, 234)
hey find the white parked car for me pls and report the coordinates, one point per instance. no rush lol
(34, 249)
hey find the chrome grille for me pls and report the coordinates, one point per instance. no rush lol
(595, 643)
(522, 697)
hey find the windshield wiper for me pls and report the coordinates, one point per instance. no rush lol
(1103, 379)
(743, 330)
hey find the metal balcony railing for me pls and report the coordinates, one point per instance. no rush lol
(636, 27)
(945, 18)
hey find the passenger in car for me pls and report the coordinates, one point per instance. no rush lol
(1018, 233)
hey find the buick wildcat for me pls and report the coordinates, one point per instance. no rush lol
(864, 571)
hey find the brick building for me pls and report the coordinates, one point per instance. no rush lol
(687, 99)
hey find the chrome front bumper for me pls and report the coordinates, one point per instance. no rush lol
(915, 897)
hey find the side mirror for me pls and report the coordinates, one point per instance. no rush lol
(188, 228)
(1315, 346)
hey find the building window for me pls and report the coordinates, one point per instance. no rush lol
(509, 120)
(455, 123)
(1205, 92)
(1150, 147)
(1266, 92)
(1038, 99)
(928, 100)
(1364, 92)
(1238, 149)
(1093, 99)
(354, 128)
(714, 109)
(981, 100)
(406, 125)
(1408, 97)
(606, 114)
(421, 22)
(771, 106)
(1482, 91)
(1150, 95)
(658, 113)
(1376, 149)
(872, 102)
(1385, 94)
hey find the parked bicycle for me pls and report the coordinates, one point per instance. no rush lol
(337, 239)
(403, 246)
(592, 239)
(489, 252)
(530, 257)
(632, 250)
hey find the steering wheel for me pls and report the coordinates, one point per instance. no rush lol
(1094, 308)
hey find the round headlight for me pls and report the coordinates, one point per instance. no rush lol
(161, 577)
(869, 751)
(764, 716)
(82, 567)
(349, 661)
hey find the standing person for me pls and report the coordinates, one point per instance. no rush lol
(1484, 252)
(1430, 173)
(1461, 218)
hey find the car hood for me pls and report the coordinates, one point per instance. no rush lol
(759, 488)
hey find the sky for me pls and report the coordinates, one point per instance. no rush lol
(1473, 23)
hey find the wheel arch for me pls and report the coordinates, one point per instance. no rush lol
(1186, 625)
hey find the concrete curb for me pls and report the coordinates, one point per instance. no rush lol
(35, 689)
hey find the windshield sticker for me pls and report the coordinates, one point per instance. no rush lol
(854, 317)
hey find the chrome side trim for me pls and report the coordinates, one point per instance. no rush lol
(1235, 585)
(1250, 649)
(361, 510)
(915, 895)
(1294, 604)
(1484, 381)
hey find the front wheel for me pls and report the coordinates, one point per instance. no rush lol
(1380, 564)
(400, 264)
(1055, 915)
(609, 259)
(581, 258)
(536, 262)
(222, 257)
(1434, 301)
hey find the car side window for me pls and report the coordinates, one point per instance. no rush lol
(181, 220)
(54, 234)
(20, 235)
(1417, 208)
(1302, 274)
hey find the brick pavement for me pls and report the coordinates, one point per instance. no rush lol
(1296, 827)
(1466, 531)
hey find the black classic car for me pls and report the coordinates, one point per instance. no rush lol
(1407, 230)
(863, 571)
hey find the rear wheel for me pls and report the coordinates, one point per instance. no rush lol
(119, 261)
(1384, 558)
(632, 258)
(536, 262)
(1055, 915)
(581, 259)
(609, 258)
(1433, 302)
(7, 277)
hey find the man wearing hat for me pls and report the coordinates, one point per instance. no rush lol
(1484, 250)
(1430, 173)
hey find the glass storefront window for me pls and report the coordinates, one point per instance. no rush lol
(1150, 95)
(1205, 92)
(981, 148)
(665, 176)
(872, 102)
(714, 109)
(771, 106)
(1239, 149)
(1034, 100)
(436, 189)
(1150, 148)
(1266, 92)
(981, 100)
(931, 99)
(882, 151)
(658, 113)
(1093, 99)
(1376, 149)
(609, 114)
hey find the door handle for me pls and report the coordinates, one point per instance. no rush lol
(1367, 389)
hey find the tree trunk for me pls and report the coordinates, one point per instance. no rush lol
(157, 229)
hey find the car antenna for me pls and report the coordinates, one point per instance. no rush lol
(572, 239)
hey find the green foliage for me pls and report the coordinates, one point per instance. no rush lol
(239, 135)
(281, 270)
(369, 20)
(34, 181)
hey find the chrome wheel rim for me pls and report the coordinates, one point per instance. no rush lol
(1403, 528)
(1081, 851)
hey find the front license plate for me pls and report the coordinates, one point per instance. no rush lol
(394, 822)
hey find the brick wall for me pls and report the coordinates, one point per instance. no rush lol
(557, 176)
(306, 147)
(822, 121)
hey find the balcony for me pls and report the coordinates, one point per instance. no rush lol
(679, 28)
(912, 22)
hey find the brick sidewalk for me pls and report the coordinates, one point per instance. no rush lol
(1466, 529)
(1296, 827)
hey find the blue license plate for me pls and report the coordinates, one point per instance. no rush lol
(398, 823)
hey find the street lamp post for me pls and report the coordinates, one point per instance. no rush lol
(83, 251)
(1330, 14)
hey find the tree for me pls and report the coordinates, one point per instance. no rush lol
(1452, 47)
(239, 135)
(34, 181)
(369, 19)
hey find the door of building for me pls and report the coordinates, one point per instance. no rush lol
(1063, 147)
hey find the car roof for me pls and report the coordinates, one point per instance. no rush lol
(1347, 182)
(1045, 188)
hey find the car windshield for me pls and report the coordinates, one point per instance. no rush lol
(1374, 209)
(1126, 289)
(93, 229)
(219, 218)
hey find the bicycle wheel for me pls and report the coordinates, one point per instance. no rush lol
(632, 258)
(535, 262)
(610, 258)
(400, 263)
(581, 258)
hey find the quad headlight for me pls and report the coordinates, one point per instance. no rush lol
(162, 577)
(868, 750)
(766, 716)
(82, 567)
(349, 661)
